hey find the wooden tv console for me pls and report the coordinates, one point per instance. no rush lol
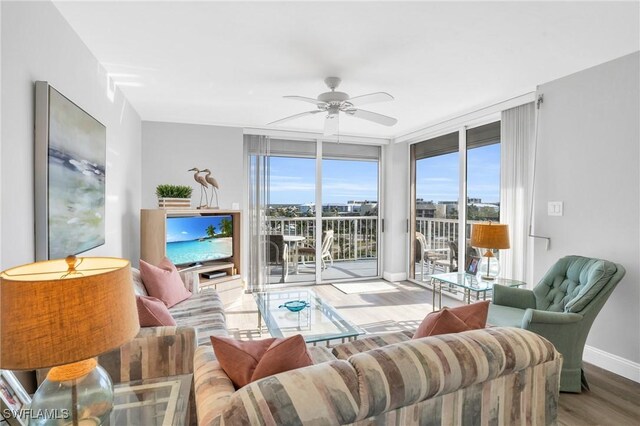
(153, 244)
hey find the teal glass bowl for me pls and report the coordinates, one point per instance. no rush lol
(295, 305)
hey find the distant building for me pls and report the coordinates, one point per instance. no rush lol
(307, 208)
(362, 208)
(429, 209)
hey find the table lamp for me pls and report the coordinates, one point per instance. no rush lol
(490, 236)
(62, 314)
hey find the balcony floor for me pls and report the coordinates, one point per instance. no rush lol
(341, 270)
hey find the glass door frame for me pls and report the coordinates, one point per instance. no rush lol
(318, 216)
(462, 190)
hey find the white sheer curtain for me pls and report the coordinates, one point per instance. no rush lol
(258, 150)
(517, 132)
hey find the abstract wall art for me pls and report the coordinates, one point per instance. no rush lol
(70, 164)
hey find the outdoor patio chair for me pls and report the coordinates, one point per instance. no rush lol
(560, 308)
(327, 249)
(451, 262)
(427, 256)
(278, 254)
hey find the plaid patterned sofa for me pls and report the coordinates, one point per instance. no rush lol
(489, 376)
(169, 351)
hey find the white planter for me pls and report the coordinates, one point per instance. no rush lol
(174, 203)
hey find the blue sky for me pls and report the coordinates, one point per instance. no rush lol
(191, 228)
(437, 178)
(293, 179)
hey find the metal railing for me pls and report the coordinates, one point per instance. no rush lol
(439, 232)
(354, 237)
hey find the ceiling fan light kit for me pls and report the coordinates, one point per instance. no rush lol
(334, 102)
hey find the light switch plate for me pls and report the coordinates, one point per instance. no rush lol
(554, 208)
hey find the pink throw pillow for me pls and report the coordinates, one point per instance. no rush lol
(153, 313)
(474, 315)
(163, 282)
(454, 320)
(247, 361)
(440, 322)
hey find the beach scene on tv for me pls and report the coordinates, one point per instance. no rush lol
(199, 239)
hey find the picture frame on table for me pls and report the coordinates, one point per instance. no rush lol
(473, 262)
(15, 400)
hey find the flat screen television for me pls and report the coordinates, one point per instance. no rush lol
(196, 239)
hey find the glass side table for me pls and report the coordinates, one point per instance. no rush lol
(469, 283)
(161, 401)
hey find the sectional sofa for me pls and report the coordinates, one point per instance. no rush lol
(490, 376)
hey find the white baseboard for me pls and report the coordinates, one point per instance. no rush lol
(614, 363)
(394, 276)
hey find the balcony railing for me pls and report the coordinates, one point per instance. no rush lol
(354, 237)
(439, 232)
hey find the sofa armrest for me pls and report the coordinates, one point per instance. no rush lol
(535, 316)
(521, 298)
(213, 388)
(155, 352)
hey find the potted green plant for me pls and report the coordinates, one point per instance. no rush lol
(174, 196)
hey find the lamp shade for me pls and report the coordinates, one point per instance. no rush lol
(63, 311)
(490, 236)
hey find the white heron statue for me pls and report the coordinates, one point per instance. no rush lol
(203, 185)
(214, 186)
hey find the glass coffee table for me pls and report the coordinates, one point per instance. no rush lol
(152, 402)
(318, 322)
(469, 283)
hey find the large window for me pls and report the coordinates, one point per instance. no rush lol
(446, 202)
(350, 212)
(321, 212)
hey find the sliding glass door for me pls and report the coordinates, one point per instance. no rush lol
(483, 180)
(455, 182)
(291, 218)
(435, 188)
(321, 212)
(350, 196)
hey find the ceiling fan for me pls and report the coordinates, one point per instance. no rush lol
(334, 102)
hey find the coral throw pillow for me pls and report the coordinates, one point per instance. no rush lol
(153, 313)
(474, 315)
(247, 361)
(163, 282)
(454, 320)
(441, 322)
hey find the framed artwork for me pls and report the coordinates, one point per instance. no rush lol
(15, 400)
(472, 265)
(70, 163)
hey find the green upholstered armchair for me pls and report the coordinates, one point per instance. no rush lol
(561, 308)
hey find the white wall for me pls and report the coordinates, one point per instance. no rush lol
(38, 44)
(169, 150)
(396, 202)
(588, 157)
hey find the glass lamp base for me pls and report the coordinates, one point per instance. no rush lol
(489, 268)
(85, 400)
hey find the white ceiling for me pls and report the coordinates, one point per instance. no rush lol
(230, 63)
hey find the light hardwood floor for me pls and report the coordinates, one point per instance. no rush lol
(613, 400)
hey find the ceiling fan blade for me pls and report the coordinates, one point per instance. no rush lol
(331, 125)
(373, 116)
(371, 98)
(291, 117)
(305, 99)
